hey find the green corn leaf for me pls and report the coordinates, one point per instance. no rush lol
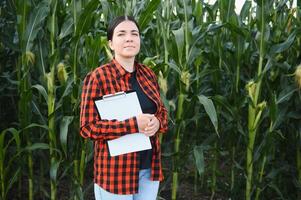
(146, 15)
(276, 189)
(281, 115)
(42, 54)
(199, 159)
(94, 46)
(236, 29)
(15, 138)
(36, 146)
(66, 93)
(226, 9)
(75, 9)
(36, 108)
(286, 94)
(33, 125)
(84, 21)
(2, 149)
(210, 110)
(64, 124)
(13, 179)
(221, 100)
(35, 23)
(174, 67)
(42, 91)
(4, 146)
(273, 111)
(42, 146)
(245, 10)
(278, 48)
(211, 28)
(67, 28)
(179, 37)
(198, 11)
(53, 169)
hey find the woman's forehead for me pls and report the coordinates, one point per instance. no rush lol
(126, 26)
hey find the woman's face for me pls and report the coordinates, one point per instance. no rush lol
(126, 40)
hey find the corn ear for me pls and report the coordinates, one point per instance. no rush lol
(62, 74)
(298, 76)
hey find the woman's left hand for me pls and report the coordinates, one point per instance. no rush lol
(152, 127)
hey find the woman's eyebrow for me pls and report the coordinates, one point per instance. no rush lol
(123, 31)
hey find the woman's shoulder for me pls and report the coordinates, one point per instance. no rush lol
(99, 72)
(101, 69)
(97, 75)
(147, 70)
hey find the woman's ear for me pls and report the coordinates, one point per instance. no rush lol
(111, 45)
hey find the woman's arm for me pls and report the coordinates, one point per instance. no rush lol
(91, 126)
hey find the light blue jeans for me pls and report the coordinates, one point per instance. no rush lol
(148, 190)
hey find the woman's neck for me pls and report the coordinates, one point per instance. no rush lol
(126, 63)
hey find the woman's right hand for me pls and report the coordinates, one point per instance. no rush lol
(143, 120)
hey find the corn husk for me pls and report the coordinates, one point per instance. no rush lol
(298, 76)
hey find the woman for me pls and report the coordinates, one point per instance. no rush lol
(132, 176)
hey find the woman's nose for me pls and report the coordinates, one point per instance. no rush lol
(129, 38)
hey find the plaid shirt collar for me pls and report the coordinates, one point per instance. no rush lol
(120, 70)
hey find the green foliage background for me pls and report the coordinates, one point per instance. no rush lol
(227, 79)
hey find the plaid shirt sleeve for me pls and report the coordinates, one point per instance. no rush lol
(94, 127)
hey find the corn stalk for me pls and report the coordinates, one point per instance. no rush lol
(183, 83)
(51, 101)
(273, 116)
(79, 18)
(28, 28)
(76, 7)
(24, 90)
(255, 109)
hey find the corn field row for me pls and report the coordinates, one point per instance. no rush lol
(230, 81)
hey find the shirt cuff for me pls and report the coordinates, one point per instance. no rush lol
(131, 125)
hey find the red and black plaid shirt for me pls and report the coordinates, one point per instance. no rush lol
(119, 174)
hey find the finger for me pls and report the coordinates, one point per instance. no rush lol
(148, 134)
(151, 126)
(148, 130)
(151, 130)
(151, 123)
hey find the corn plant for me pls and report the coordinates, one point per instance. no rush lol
(182, 62)
(27, 31)
(256, 108)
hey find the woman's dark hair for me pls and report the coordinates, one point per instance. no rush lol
(117, 21)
